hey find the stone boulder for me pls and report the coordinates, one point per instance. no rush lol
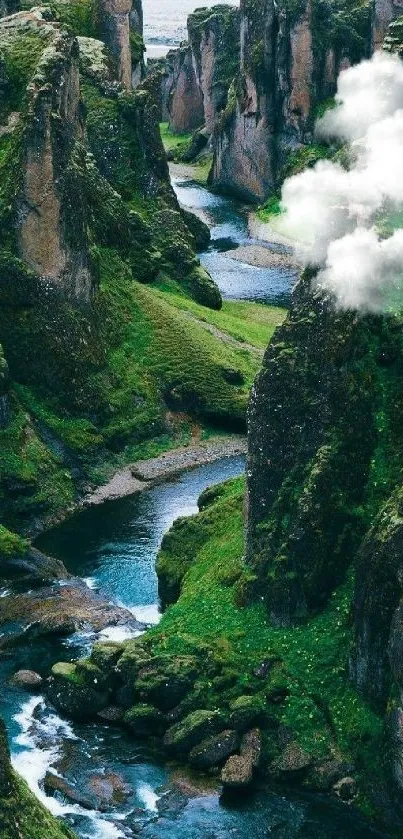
(239, 769)
(293, 761)
(214, 750)
(78, 690)
(27, 679)
(196, 727)
(245, 711)
(145, 721)
(165, 680)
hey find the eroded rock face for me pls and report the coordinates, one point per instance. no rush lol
(299, 96)
(214, 40)
(376, 661)
(50, 221)
(290, 59)
(385, 11)
(310, 477)
(115, 30)
(46, 215)
(182, 92)
(244, 139)
(136, 43)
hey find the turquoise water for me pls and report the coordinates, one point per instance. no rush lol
(228, 222)
(114, 548)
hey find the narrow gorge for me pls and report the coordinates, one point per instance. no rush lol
(201, 451)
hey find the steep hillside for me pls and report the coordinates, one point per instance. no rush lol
(93, 247)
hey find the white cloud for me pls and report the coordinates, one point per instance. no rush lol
(332, 212)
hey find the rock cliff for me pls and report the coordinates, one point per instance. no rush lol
(384, 12)
(181, 92)
(291, 54)
(214, 40)
(50, 231)
(324, 494)
(197, 77)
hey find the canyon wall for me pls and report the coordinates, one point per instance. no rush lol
(291, 56)
(114, 19)
(196, 77)
(384, 12)
(259, 73)
(214, 37)
(324, 487)
(325, 500)
(181, 92)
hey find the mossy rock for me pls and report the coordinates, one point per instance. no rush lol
(75, 690)
(293, 761)
(134, 657)
(245, 711)
(106, 656)
(145, 721)
(212, 751)
(196, 727)
(165, 680)
(203, 289)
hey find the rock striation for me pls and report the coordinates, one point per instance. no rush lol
(181, 92)
(214, 41)
(114, 23)
(291, 55)
(384, 12)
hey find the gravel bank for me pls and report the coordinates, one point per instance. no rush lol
(145, 473)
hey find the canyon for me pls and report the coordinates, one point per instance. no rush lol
(277, 659)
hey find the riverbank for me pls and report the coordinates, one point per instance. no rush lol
(145, 473)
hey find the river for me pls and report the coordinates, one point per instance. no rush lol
(228, 222)
(114, 548)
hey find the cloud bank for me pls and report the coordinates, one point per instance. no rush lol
(336, 214)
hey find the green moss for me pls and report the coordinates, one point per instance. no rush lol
(309, 685)
(11, 544)
(21, 815)
(68, 671)
(33, 480)
(345, 24)
(21, 54)
(173, 142)
(305, 158)
(137, 47)
(271, 207)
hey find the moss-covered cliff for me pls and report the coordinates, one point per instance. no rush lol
(291, 55)
(21, 815)
(95, 253)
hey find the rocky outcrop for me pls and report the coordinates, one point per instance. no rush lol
(244, 138)
(384, 12)
(50, 227)
(214, 40)
(376, 661)
(137, 43)
(305, 522)
(181, 92)
(114, 23)
(290, 59)
(324, 492)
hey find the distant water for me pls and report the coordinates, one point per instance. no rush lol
(165, 22)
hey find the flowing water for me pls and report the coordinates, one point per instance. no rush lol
(228, 222)
(114, 548)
